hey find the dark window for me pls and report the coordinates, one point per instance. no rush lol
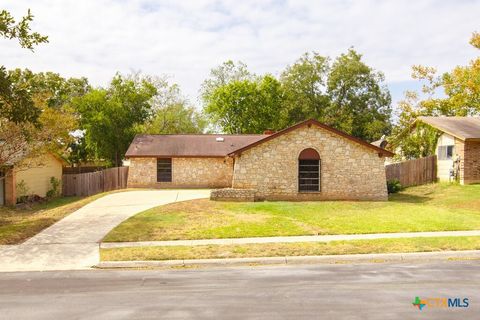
(445, 152)
(309, 171)
(164, 170)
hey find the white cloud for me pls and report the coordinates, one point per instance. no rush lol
(185, 39)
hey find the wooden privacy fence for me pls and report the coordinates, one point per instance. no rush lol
(86, 184)
(413, 172)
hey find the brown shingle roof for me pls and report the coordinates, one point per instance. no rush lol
(189, 145)
(464, 128)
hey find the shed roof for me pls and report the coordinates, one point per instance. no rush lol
(189, 145)
(463, 128)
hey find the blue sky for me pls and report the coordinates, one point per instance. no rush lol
(185, 39)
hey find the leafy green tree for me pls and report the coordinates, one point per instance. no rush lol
(56, 90)
(305, 88)
(171, 111)
(220, 76)
(346, 94)
(246, 106)
(16, 102)
(111, 117)
(359, 101)
(21, 31)
(175, 118)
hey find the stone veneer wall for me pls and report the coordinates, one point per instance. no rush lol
(348, 169)
(229, 194)
(469, 153)
(186, 173)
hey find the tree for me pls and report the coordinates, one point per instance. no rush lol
(409, 142)
(175, 118)
(51, 133)
(19, 116)
(57, 90)
(16, 102)
(246, 106)
(306, 94)
(359, 101)
(171, 111)
(21, 31)
(111, 117)
(346, 94)
(222, 75)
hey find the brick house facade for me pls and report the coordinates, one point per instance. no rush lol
(308, 161)
(468, 153)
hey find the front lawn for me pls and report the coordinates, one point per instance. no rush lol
(291, 249)
(17, 225)
(435, 207)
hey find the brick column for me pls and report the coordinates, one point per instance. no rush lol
(10, 188)
(472, 162)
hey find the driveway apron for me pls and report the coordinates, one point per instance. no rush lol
(73, 242)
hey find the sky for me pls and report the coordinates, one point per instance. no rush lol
(185, 39)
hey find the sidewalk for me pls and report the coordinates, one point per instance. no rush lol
(325, 238)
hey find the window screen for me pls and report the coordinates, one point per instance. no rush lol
(445, 152)
(164, 170)
(308, 175)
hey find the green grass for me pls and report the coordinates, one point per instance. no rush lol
(17, 225)
(435, 207)
(291, 249)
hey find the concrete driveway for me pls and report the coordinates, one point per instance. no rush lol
(73, 242)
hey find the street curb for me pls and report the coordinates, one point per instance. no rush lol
(292, 260)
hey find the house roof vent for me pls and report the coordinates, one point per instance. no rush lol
(219, 139)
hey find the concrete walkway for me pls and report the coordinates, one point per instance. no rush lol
(73, 242)
(289, 239)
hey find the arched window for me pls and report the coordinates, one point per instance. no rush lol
(309, 171)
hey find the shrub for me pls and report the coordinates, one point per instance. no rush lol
(22, 192)
(394, 186)
(54, 185)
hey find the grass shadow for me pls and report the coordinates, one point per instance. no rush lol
(408, 198)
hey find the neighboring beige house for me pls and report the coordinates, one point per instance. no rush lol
(458, 148)
(308, 161)
(35, 174)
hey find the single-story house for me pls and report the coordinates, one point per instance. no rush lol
(32, 175)
(458, 148)
(308, 161)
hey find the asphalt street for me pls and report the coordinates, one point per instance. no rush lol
(362, 291)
